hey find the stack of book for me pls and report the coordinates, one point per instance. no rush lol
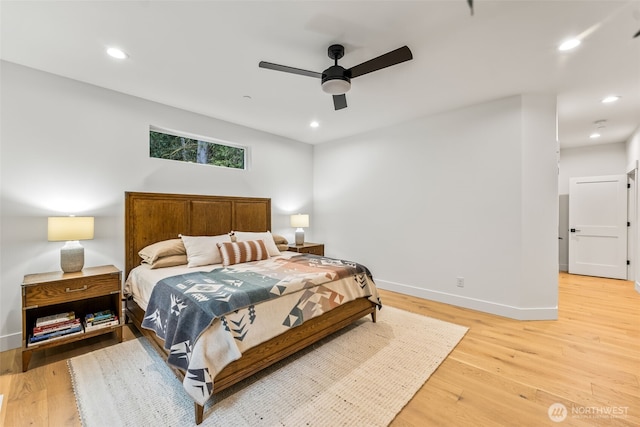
(56, 326)
(101, 319)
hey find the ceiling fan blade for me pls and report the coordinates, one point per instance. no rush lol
(292, 70)
(383, 61)
(339, 101)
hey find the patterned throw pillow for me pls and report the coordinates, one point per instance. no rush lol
(245, 251)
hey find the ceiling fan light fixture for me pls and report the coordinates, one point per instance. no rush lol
(336, 86)
(335, 80)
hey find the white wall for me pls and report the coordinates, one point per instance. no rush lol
(632, 147)
(594, 160)
(471, 193)
(72, 148)
(539, 225)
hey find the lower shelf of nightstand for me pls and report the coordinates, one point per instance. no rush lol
(28, 349)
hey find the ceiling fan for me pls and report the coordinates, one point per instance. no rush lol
(336, 80)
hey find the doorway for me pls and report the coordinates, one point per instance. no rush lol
(598, 209)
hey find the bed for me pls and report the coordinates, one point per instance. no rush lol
(155, 218)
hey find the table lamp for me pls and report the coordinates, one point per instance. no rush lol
(70, 229)
(300, 221)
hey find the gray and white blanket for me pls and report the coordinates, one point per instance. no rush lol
(183, 307)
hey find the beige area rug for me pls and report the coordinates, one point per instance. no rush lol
(361, 376)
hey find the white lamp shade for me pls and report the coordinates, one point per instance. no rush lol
(64, 228)
(300, 220)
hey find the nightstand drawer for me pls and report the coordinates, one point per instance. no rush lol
(71, 290)
(308, 248)
(314, 250)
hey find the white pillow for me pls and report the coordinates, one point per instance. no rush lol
(202, 250)
(266, 237)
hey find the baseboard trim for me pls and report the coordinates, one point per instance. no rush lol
(518, 313)
(637, 287)
(11, 341)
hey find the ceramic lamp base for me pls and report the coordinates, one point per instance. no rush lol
(299, 236)
(72, 257)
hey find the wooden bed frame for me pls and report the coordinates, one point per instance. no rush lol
(153, 217)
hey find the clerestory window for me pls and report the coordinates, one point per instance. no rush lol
(190, 149)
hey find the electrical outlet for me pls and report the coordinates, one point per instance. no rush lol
(460, 282)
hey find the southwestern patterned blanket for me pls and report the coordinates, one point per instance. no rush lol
(207, 319)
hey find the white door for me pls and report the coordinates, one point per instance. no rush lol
(598, 226)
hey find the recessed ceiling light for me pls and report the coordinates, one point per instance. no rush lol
(569, 44)
(116, 53)
(610, 98)
(594, 135)
(314, 124)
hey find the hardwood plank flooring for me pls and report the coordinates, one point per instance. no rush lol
(503, 373)
(508, 372)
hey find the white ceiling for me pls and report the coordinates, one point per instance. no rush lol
(203, 56)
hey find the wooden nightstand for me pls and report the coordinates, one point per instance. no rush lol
(308, 248)
(88, 291)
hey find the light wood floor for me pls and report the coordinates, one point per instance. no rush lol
(504, 372)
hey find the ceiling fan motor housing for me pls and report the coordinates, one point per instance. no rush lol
(335, 80)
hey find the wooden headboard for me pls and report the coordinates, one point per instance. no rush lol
(152, 217)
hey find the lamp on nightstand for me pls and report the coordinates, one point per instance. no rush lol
(70, 229)
(300, 221)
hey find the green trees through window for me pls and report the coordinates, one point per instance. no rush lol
(173, 147)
